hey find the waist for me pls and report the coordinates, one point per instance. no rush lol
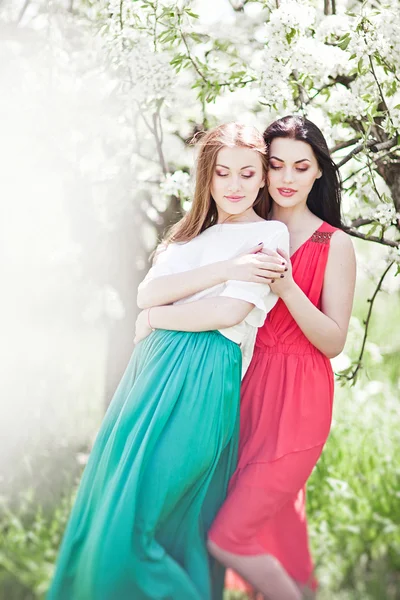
(295, 348)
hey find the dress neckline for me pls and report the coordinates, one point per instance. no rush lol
(307, 240)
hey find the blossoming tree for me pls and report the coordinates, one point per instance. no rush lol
(184, 65)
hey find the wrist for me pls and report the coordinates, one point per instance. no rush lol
(291, 291)
(223, 271)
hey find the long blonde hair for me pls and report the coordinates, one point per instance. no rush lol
(203, 212)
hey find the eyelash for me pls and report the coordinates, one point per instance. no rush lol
(297, 169)
(226, 175)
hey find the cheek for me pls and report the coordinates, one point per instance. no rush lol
(273, 178)
(308, 182)
(215, 186)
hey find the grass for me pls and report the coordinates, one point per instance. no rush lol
(353, 495)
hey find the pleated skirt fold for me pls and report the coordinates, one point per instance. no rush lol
(156, 476)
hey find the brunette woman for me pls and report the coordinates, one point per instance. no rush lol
(287, 393)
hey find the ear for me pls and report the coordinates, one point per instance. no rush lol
(319, 174)
(262, 183)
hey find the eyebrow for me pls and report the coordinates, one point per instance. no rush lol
(241, 168)
(297, 161)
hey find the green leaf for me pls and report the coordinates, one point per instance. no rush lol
(372, 229)
(189, 12)
(290, 35)
(344, 41)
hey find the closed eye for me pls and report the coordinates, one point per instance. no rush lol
(243, 175)
(300, 169)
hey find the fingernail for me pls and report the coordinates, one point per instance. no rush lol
(283, 262)
(282, 275)
(287, 269)
(260, 243)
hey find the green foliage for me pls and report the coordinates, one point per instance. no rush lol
(29, 539)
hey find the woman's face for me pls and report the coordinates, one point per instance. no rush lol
(237, 179)
(292, 170)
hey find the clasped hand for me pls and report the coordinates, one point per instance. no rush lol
(258, 265)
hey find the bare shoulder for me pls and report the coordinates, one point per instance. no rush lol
(341, 244)
(341, 258)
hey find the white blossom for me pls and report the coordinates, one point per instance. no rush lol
(292, 15)
(152, 76)
(385, 214)
(332, 28)
(177, 184)
(394, 255)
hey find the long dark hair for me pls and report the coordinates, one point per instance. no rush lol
(324, 198)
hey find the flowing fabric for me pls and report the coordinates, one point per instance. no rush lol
(156, 477)
(286, 412)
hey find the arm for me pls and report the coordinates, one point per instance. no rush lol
(207, 314)
(170, 288)
(327, 328)
(251, 266)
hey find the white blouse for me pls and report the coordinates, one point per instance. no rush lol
(223, 242)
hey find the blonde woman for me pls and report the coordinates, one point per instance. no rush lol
(160, 466)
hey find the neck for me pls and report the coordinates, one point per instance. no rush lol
(293, 217)
(245, 217)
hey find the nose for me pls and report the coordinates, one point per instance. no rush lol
(288, 175)
(234, 184)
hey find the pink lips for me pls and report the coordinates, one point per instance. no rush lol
(234, 198)
(286, 192)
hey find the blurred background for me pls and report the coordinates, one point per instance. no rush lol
(99, 101)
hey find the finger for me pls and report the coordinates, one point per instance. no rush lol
(270, 274)
(255, 249)
(274, 268)
(266, 277)
(278, 260)
(271, 252)
(275, 257)
(284, 254)
(258, 279)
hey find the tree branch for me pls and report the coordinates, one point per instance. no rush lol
(301, 90)
(355, 151)
(384, 145)
(385, 106)
(353, 375)
(190, 57)
(360, 222)
(343, 145)
(371, 238)
(158, 134)
(23, 10)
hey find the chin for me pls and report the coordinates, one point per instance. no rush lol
(286, 202)
(236, 209)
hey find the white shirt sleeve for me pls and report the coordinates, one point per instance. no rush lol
(258, 294)
(167, 261)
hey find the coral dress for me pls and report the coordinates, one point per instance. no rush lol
(286, 411)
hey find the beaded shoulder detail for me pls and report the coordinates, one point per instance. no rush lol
(321, 237)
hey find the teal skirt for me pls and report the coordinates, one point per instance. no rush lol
(156, 476)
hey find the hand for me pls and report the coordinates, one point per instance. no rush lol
(142, 327)
(256, 265)
(285, 283)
